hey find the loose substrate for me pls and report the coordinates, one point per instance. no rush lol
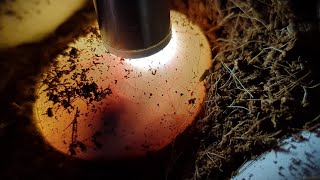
(263, 87)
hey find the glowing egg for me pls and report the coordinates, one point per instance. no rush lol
(95, 105)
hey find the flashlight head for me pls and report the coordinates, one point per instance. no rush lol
(134, 28)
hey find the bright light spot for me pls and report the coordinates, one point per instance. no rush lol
(159, 59)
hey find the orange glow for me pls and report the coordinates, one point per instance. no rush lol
(152, 101)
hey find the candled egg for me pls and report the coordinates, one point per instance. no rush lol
(93, 105)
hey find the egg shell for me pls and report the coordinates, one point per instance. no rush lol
(29, 21)
(152, 99)
(297, 157)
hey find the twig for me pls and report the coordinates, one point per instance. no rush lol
(196, 173)
(228, 78)
(291, 86)
(279, 50)
(215, 154)
(259, 137)
(231, 131)
(308, 124)
(305, 95)
(236, 78)
(240, 107)
(311, 87)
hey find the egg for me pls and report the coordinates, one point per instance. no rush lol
(297, 157)
(23, 22)
(93, 105)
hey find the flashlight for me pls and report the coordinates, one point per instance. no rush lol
(134, 28)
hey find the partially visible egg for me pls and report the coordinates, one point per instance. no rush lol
(298, 157)
(95, 105)
(28, 21)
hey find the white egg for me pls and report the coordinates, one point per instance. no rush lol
(28, 21)
(296, 158)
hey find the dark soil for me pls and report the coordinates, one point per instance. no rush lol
(264, 86)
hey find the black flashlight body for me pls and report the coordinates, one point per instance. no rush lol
(134, 28)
